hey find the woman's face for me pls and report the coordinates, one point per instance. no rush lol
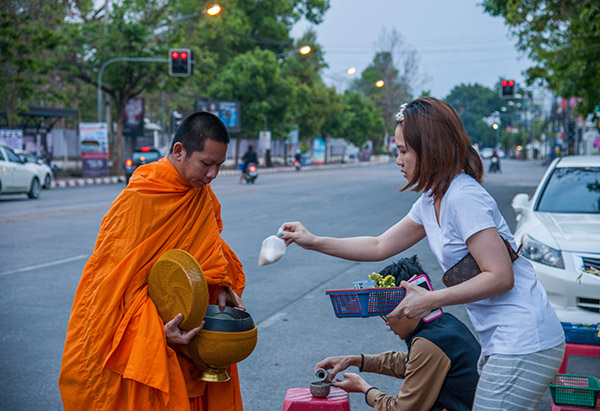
(407, 158)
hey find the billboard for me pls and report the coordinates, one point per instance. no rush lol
(12, 138)
(133, 126)
(228, 111)
(93, 144)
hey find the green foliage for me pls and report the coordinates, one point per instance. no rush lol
(255, 79)
(562, 36)
(27, 42)
(360, 121)
(472, 102)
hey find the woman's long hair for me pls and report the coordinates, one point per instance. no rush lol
(434, 131)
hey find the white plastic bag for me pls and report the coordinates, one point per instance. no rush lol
(273, 248)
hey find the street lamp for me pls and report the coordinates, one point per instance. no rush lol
(351, 70)
(304, 50)
(379, 84)
(213, 10)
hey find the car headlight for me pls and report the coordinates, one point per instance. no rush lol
(541, 253)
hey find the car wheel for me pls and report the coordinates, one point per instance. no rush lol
(36, 188)
(47, 181)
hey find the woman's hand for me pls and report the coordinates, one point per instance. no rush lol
(338, 364)
(177, 336)
(417, 303)
(294, 232)
(352, 383)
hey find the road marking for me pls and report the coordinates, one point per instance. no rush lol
(271, 320)
(35, 267)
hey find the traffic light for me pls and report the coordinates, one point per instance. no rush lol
(508, 88)
(180, 62)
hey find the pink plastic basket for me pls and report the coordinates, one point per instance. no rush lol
(366, 302)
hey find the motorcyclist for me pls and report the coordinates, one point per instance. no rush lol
(248, 157)
(494, 162)
(298, 158)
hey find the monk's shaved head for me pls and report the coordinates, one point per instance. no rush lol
(197, 128)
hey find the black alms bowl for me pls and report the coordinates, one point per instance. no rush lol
(230, 320)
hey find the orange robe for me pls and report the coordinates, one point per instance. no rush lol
(116, 356)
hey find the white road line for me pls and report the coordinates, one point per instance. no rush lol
(271, 320)
(35, 267)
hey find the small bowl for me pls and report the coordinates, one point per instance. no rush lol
(320, 389)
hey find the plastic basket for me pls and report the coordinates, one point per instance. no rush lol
(579, 390)
(581, 334)
(367, 302)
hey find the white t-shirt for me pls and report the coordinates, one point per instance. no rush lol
(517, 322)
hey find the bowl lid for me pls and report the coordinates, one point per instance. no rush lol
(176, 284)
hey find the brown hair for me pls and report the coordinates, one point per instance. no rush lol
(434, 131)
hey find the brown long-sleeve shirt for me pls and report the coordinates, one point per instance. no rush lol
(423, 375)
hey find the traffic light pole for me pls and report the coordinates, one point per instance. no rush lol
(142, 59)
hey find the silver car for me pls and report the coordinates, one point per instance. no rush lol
(559, 230)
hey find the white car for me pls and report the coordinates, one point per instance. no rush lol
(41, 169)
(16, 176)
(559, 230)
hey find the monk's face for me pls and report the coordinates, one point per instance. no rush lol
(201, 167)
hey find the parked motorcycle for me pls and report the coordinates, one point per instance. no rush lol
(251, 173)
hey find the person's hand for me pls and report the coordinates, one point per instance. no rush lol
(228, 297)
(335, 364)
(294, 232)
(175, 335)
(416, 304)
(352, 383)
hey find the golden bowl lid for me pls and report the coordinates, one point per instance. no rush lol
(176, 284)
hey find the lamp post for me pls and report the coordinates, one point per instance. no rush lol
(304, 50)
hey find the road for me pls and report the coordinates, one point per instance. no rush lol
(45, 244)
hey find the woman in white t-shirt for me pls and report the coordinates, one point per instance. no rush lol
(521, 337)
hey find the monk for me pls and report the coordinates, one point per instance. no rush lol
(117, 354)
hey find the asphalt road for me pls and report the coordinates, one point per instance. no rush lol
(45, 243)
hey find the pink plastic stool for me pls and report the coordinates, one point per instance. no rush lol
(586, 350)
(300, 399)
(574, 408)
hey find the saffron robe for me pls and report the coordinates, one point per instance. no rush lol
(116, 356)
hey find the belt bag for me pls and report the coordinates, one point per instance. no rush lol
(467, 268)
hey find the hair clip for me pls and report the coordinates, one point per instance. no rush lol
(400, 113)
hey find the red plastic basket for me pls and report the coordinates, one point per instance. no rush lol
(366, 302)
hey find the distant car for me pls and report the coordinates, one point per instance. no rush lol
(16, 176)
(559, 230)
(486, 152)
(39, 167)
(140, 156)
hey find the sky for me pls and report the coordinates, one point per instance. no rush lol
(456, 42)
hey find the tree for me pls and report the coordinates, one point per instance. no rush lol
(28, 37)
(395, 64)
(472, 102)
(562, 37)
(360, 119)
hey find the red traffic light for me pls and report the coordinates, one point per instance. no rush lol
(175, 55)
(180, 62)
(504, 83)
(184, 55)
(511, 83)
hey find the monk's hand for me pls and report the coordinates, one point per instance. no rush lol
(352, 383)
(176, 335)
(227, 297)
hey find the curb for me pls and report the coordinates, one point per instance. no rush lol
(79, 182)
